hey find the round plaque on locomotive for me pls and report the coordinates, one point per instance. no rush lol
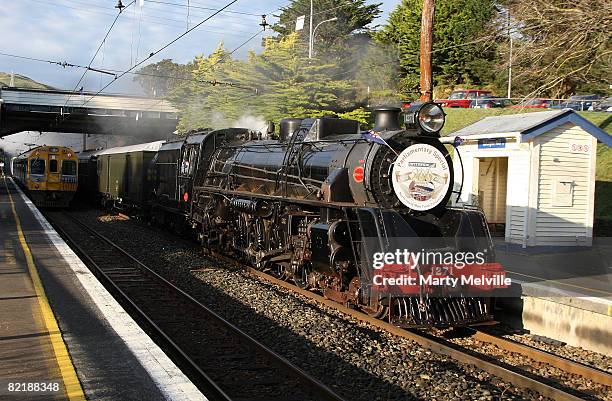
(421, 177)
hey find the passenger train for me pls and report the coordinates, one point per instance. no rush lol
(49, 175)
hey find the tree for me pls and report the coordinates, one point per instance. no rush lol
(561, 47)
(377, 76)
(272, 85)
(333, 39)
(157, 79)
(459, 57)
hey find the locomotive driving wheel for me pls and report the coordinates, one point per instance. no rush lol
(377, 311)
(301, 275)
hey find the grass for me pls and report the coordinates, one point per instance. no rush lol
(21, 82)
(459, 118)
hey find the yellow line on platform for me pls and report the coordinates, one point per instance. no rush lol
(73, 388)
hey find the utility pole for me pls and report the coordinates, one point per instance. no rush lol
(427, 20)
(510, 59)
(310, 31)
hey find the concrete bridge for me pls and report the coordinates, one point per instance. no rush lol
(64, 111)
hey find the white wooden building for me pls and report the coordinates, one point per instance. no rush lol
(533, 173)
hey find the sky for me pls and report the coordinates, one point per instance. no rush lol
(71, 31)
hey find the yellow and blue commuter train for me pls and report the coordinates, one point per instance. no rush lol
(49, 174)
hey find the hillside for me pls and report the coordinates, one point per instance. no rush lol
(21, 82)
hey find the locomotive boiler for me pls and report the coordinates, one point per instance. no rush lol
(320, 201)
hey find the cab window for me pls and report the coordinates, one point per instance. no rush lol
(37, 166)
(188, 163)
(69, 167)
(53, 166)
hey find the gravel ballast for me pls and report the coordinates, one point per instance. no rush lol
(359, 361)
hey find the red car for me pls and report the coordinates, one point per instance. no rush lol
(533, 104)
(463, 98)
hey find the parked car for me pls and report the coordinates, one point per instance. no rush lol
(604, 105)
(536, 103)
(578, 102)
(490, 103)
(463, 98)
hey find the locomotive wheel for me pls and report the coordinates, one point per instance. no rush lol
(279, 271)
(300, 277)
(380, 312)
(377, 309)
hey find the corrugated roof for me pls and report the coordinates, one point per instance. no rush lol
(141, 147)
(511, 123)
(530, 125)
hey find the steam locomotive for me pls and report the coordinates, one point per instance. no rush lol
(319, 201)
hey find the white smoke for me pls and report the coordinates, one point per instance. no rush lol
(218, 120)
(253, 123)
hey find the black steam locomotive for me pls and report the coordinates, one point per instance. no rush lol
(319, 201)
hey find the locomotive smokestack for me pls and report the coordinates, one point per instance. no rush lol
(387, 118)
(288, 126)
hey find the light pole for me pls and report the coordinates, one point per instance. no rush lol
(509, 59)
(312, 36)
(310, 31)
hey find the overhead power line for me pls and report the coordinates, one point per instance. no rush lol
(60, 63)
(152, 54)
(98, 50)
(154, 18)
(203, 8)
(255, 90)
(110, 71)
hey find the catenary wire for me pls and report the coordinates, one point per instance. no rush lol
(98, 50)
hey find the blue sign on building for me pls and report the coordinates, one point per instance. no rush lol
(492, 143)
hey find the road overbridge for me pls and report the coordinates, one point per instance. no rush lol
(24, 109)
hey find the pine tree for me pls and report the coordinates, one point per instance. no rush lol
(273, 85)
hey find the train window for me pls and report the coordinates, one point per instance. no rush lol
(53, 166)
(37, 166)
(69, 167)
(188, 163)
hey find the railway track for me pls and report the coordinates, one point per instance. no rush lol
(224, 362)
(565, 364)
(522, 378)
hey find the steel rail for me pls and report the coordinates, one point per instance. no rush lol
(217, 392)
(430, 342)
(315, 385)
(565, 364)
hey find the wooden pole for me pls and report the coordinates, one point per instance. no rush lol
(427, 20)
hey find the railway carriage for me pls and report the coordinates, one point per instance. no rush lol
(48, 174)
(122, 175)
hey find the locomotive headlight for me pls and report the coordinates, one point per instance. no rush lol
(431, 117)
(427, 117)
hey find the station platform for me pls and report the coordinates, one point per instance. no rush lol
(62, 335)
(562, 293)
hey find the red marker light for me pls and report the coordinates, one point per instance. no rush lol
(358, 174)
(185, 196)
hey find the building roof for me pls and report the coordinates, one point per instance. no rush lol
(530, 125)
(141, 147)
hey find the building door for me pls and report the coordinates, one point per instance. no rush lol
(492, 189)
